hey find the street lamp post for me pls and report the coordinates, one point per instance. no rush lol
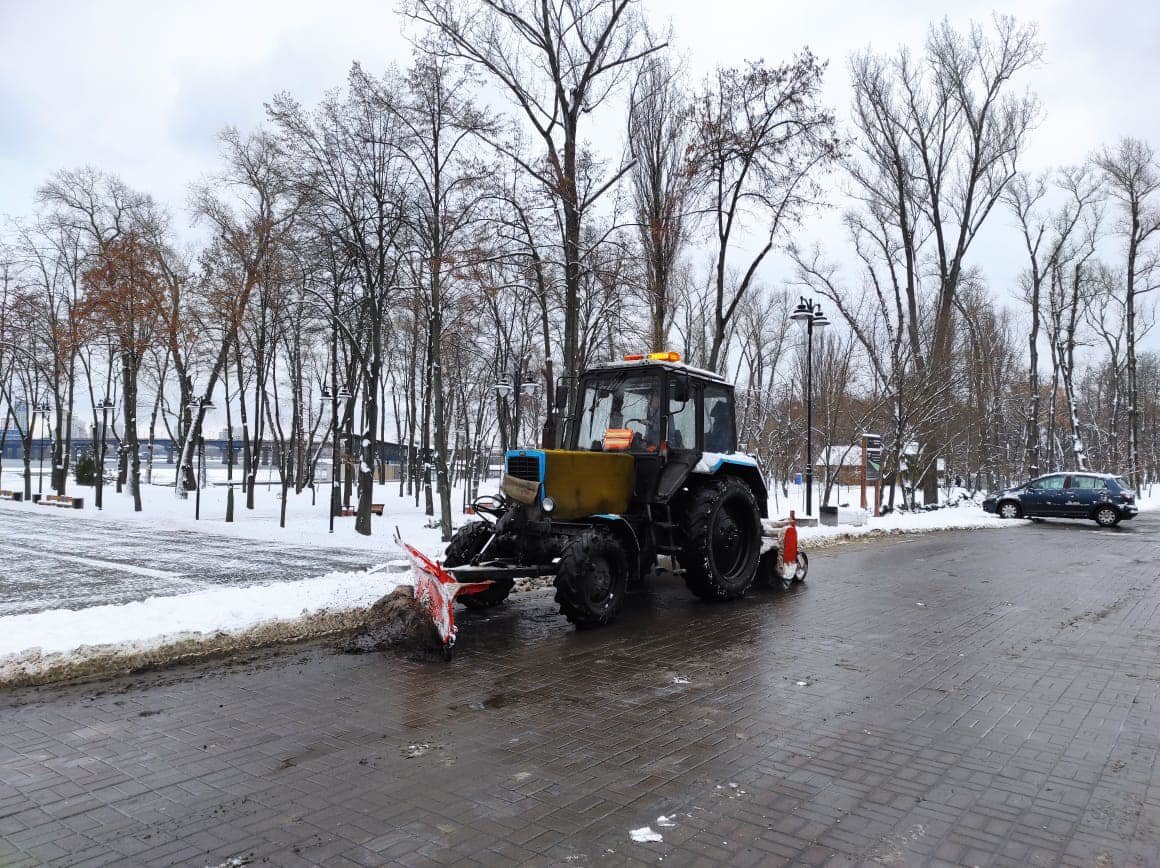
(810, 315)
(342, 395)
(509, 392)
(42, 410)
(531, 389)
(198, 406)
(504, 390)
(106, 406)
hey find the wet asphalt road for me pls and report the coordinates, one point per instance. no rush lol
(988, 697)
(49, 562)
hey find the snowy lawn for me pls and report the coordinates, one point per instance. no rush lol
(306, 521)
(63, 642)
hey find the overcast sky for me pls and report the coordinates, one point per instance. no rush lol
(141, 88)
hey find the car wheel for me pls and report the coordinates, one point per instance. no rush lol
(1010, 509)
(1106, 516)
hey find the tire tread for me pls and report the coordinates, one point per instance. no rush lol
(700, 577)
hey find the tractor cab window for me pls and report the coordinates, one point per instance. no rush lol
(620, 412)
(719, 433)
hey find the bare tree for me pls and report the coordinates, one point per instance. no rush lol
(1048, 241)
(557, 62)
(1133, 178)
(251, 206)
(53, 255)
(661, 183)
(345, 158)
(438, 124)
(937, 146)
(760, 139)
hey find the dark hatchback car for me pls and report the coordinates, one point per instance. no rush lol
(1101, 497)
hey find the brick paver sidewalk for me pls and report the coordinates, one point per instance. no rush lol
(976, 698)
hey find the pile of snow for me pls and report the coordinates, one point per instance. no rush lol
(32, 646)
(964, 516)
(645, 835)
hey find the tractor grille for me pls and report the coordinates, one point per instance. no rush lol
(524, 467)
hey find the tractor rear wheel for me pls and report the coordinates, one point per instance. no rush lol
(592, 579)
(467, 542)
(722, 540)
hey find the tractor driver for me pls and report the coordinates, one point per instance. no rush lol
(650, 439)
(719, 428)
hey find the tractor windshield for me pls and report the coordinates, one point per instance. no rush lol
(619, 412)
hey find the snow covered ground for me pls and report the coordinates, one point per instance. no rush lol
(120, 588)
(162, 616)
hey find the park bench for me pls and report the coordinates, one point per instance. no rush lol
(64, 501)
(376, 509)
(5, 494)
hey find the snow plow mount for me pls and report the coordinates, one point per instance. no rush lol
(782, 536)
(493, 572)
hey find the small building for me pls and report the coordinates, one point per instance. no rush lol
(845, 462)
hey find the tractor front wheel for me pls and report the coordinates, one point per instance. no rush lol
(592, 579)
(722, 540)
(468, 542)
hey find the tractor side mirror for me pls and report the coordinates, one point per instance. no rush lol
(561, 395)
(678, 391)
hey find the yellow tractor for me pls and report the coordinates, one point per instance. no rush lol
(650, 468)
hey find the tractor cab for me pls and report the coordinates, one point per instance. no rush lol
(651, 405)
(664, 414)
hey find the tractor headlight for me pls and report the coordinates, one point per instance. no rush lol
(548, 506)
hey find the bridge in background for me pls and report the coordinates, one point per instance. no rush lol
(165, 450)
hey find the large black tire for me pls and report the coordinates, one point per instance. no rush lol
(592, 579)
(722, 540)
(467, 542)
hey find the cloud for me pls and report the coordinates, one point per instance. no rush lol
(142, 88)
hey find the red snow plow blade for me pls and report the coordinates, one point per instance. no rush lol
(435, 593)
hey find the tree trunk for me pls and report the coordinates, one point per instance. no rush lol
(1032, 441)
